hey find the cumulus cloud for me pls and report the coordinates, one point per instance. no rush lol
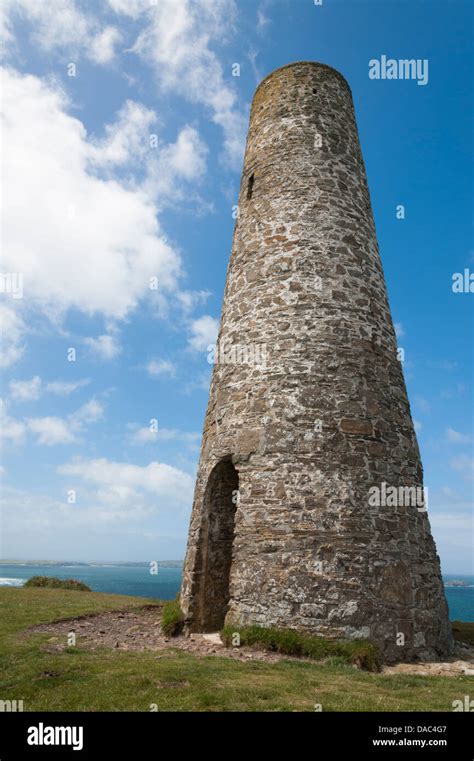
(90, 412)
(29, 390)
(90, 244)
(204, 332)
(105, 347)
(64, 388)
(126, 140)
(182, 161)
(102, 47)
(157, 368)
(144, 435)
(12, 336)
(132, 8)
(93, 241)
(11, 430)
(60, 25)
(56, 430)
(148, 435)
(117, 481)
(178, 37)
(50, 430)
(109, 513)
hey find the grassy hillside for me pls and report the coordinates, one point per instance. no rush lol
(112, 680)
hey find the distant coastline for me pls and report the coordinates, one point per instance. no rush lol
(456, 583)
(163, 581)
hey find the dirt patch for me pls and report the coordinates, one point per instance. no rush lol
(140, 629)
(447, 668)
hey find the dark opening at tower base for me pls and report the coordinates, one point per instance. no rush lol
(214, 558)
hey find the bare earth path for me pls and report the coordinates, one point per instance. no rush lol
(140, 629)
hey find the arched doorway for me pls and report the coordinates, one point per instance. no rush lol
(214, 557)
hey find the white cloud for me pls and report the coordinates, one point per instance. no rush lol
(11, 430)
(90, 412)
(186, 157)
(132, 8)
(111, 517)
(102, 46)
(161, 368)
(106, 347)
(146, 435)
(262, 20)
(55, 430)
(179, 162)
(177, 39)
(93, 241)
(12, 333)
(90, 244)
(64, 388)
(457, 438)
(51, 430)
(60, 25)
(131, 140)
(417, 425)
(26, 390)
(190, 299)
(117, 481)
(32, 389)
(204, 332)
(399, 332)
(126, 140)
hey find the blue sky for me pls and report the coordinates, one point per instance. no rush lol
(123, 176)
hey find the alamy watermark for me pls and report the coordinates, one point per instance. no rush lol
(225, 353)
(467, 704)
(12, 283)
(11, 706)
(399, 496)
(404, 68)
(463, 282)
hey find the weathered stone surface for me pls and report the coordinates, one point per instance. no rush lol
(361, 427)
(312, 412)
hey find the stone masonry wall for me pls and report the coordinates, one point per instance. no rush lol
(325, 417)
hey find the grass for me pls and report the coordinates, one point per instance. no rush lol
(54, 583)
(172, 618)
(290, 642)
(112, 680)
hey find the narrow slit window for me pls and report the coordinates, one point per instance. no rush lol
(250, 187)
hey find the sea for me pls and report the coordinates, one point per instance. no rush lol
(137, 581)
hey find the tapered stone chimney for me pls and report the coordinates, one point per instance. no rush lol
(308, 510)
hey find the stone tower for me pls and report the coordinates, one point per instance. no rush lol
(296, 521)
